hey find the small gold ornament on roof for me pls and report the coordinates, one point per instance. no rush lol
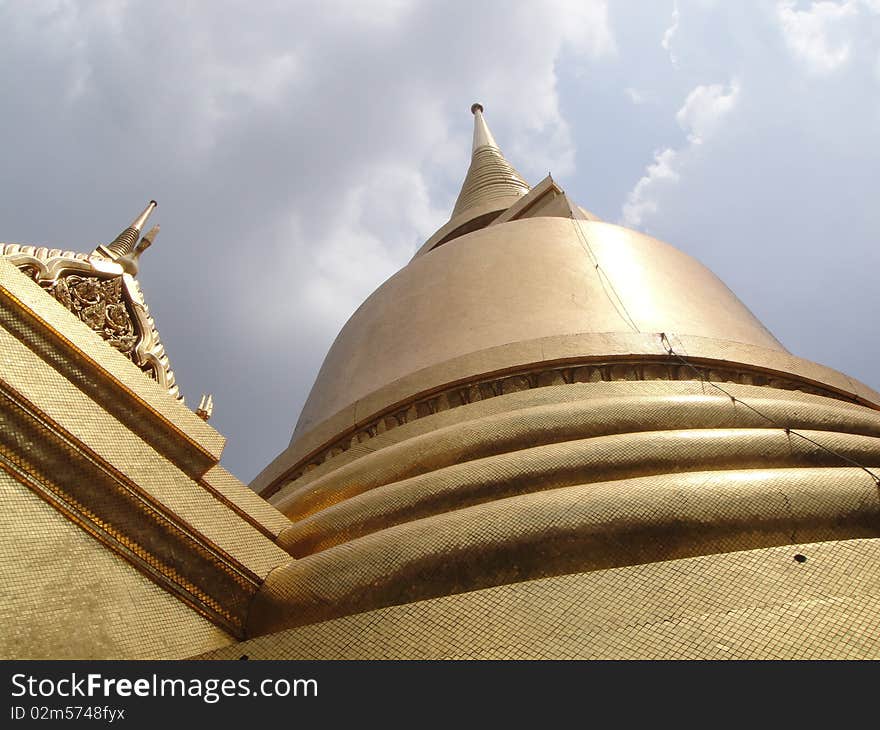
(206, 406)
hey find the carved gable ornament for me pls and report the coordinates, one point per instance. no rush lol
(104, 297)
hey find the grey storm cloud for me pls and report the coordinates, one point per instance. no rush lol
(301, 152)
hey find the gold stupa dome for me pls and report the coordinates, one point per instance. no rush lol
(549, 436)
(523, 280)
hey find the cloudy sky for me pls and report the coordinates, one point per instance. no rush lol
(302, 151)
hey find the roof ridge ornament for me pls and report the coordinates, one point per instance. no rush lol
(206, 406)
(125, 249)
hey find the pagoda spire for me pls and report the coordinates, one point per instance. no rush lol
(490, 178)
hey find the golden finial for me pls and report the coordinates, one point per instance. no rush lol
(206, 406)
(125, 248)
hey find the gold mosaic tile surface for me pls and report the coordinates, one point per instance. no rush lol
(97, 429)
(540, 415)
(257, 508)
(65, 596)
(756, 604)
(569, 530)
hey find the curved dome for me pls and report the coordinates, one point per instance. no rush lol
(516, 295)
(521, 282)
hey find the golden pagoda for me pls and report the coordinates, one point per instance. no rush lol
(546, 436)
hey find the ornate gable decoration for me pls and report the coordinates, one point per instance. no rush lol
(103, 295)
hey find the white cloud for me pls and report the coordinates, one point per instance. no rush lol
(584, 25)
(634, 95)
(819, 35)
(669, 34)
(641, 201)
(379, 223)
(523, 85)
(705, 108)
(700, 116)
(374, 15)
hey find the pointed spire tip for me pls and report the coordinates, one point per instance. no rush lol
(138, 223)
(490, 177)
(482, 136)
(125, 248)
